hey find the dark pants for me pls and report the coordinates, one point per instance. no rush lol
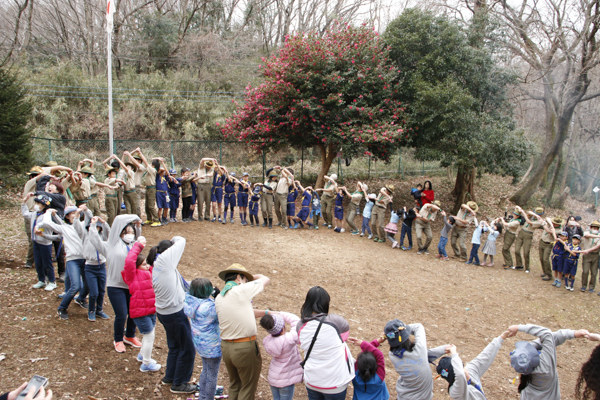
(314, 395)
(406, 230)
(30, 242)
(173, 206)
(180, 360)
(95, 276)
(119, 299)
(474, 257)
(74, 282)
(186, 207)
(42, 256)
(60, 257)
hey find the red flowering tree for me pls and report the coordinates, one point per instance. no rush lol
(335, 92)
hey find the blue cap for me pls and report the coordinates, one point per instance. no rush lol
(524, 358)
(172, 172)
(564, 233)
(70, 209)
(245, 174)
(232, 174)
(396, 332)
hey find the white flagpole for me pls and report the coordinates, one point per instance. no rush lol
(109, 27)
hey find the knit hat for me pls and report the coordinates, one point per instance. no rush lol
(396, 332)
(279, 324)
(445, 369)
(473, 206)
(524, 358)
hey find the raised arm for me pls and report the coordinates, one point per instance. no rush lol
(128, 272)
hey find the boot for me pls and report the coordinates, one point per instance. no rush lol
(270, 223)
(264, 224)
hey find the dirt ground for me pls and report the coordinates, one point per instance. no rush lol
(369, 284)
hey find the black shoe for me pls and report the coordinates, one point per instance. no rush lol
(61, 278)
(264, 224)
(185, 388)
(546, 278)
(206, 219)
(270, 223)
(165, 381)
(519, 267)
(62, 314)
(82, 304)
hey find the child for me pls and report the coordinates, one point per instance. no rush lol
(489, 248)
(217, 193)
(416, 194)
(369, 369)
(194, 198)
(285, 369)
(174, 193)
(315, 209)
(254, 202)
(186, 194)
(448, 224)
(229, 199)
(367, 215)
(162, 189)
(242, 197)
(137, 274)
(407, 221)
(200, 309)
(95, 269)
(570, 265)
(291, 203)
(558, 258)
(338, 212)
(391, 229)
(476, 242)
(303, 214)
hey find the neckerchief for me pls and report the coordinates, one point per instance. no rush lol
(228, 286)
(476, 386)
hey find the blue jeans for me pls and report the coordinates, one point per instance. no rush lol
(442, 246)
(207, 384)
(42, 258)
(119, 299)
(284, 393)
(474, 257)
(406, 230)
(314, 395)
(146, 323)
(180, 360)
(95, 275)
(74, 282)
(365, 225)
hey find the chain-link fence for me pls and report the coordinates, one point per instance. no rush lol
(236, 156)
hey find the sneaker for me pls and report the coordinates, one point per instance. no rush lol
(39, 285)
(152, 367)
(394, 245)
(316, 228)
(329, 226)
(558, 284)
(426, 252)
(155, 224)
(148, 222)
(133, 342)
(591, 290)
(296, 225)
(325, 224)
(599, 293)
(381, 241)
(231, 220)
(476, 264)
(102, 315)
(362, 234)
(50, 286)
(164, 221)
(140, 359)
(119, 347)
(571, 288)
(83, 304)
(370, 237)
(420, 252)
(284, 226)
(28, 266)
(355, 233)
(546, 278)
(469, 262)
(583, 289)
(185, 388)
(509, 267)
(554, 283)
(165, 381)
(223, 221)
(342, 230)
(518, 267)
(61, 278)
(92, 316)
(375, 239)
(444, 258)
(214, 219)
(438, 256)
(527, 271)
(60, 296)
(62, 314)
(404, 248)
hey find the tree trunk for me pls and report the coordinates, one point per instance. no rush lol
(327, 156)
(550, 192)
(464, 188)
(570, 156)
(528, 170)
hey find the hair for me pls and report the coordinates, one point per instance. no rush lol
(419, 185)
(499, 227)
(115, 164)
(451, 220)
(291, 170)
(367, 366)
(201, 288)
(156, 164)
(267, 322)
(569, 218)
(130, 225)
(140, 260)
(524, 381)
(407, 345)
(232, 276)
(425, 185)
(59, 186)
(317, 301)
(588, 376)
(184, 170)
(163, 245)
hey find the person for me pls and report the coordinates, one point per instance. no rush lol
(315, 209)
(589, 261)
(95, 268)
(558, 257)
(199, 307)
(124, 232)
(476, 242)
(425, 216)
(291, 204)
(525, 237)
(130, 193)
(463, 219)
(573, 227)
(148, 180)
(87, 172)
(42, 247)
(73, 233)
(302, 217)
(42, 394)
(536, 360)
(254, 203)
(110, 194)
(355, 199)
(378, 214)
(109, 163)
(140, 169)
(174, 194)
(206, 172)
(448, 224)
(217, 192)
(230, 195)
(244, 187)
(369, 378)
(162, 190)
(571, 259)
(281, 193)
(591, 250)
(327, 199)
(80, 187)
(464, 381)
(589, 373)
(489, 248)
(194, 199)
(329, 366)
(285, 369)
(338, 210)
(391, 229)
(549, 227)
(241, 353)
(169, 290)
(366, 214)
(407, 221)
(266, 199)
(416, 193)
(137, 274)
(427, 194)
(186, 194)
(30, 186)
(512, 225)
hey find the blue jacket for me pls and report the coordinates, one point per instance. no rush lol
(205, 325)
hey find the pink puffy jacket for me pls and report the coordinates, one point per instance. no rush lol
(140, 285)
(285, 369)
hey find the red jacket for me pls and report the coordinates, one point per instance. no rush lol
(427, 196)
(140, 285)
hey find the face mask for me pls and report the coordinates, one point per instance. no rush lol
(128, 238)
(36, 208)
(595, 231)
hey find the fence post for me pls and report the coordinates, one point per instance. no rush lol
(49, 149)
(220, 152)
(302, 166)
(369, 175)
(172, 158)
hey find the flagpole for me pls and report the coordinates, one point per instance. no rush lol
(110, 9)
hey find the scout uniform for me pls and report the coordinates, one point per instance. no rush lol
(266, 200)
(254, 201)
(425, 227)
(162, 188)
(545, 246)
(217, 188)
(130, 196)
(355, 200)
(229, 197)
(174, 194)
(186, 197)
(139, 175)
(242, 198)
(93, 202)
(305, 210)
(111, 201)
(524, 240)
(149, 182)
(459, 231)
(82, 192)
(281, 194)
(378, 214)
(122, 175)
(327, 200)
(204, 188)
(590, 261)
(291, 201)
(509, 238)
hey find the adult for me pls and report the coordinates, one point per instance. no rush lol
(241, 353)
(110, 194)
(281, 193)
(148, 181)
(384, 198)
(30, 188)
(170, 297)
(355, 199)
(465, 217)
(549, 227)
(589, 374)
(87, 172)
(130, 195)
(427, 194)
(425, 217)
(573, 227)
(328, 363)
(328, 199)
(206, 172)
(525, 237)
(589, 261)
(136, 157)
(124, 232)
(511, 227)
(266, 200)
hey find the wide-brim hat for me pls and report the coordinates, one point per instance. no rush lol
(272, 174)
(595, 224)
(517, 212)
(61, 174)
(35, 171)
(390, 188)
(539, 210)
(558, 221)
(209, 163)
(50, 164)
(438, 203)
(130, 164)
(110, 169)
(238, 269)
(473, 206)
(137, 156)
(525, 358)
(396, 332)
(86, 170)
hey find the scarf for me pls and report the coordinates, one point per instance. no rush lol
(228, 285)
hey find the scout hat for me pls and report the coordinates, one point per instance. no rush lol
(137, 156)
(50, 164)
(595, 224)
(61, 174)
(238, 269)
(524, 358)
(445, 369)
(334, 177)
(396, 332)
(516, 212)
(473, 206)
(273, 173)
(390, 188)
(209, 163)
(35, 171)
(557, 221)
(86, 170)
(43, 199)
(539, 210)
(110, 169)
(439, 203)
